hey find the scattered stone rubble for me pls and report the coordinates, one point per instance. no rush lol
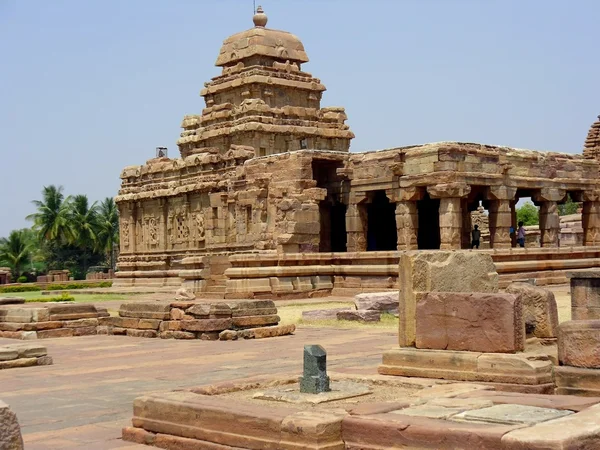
(188, 319)
(23, 355)
(368, 308)
(49, 321)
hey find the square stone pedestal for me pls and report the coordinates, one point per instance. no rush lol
(518, 372)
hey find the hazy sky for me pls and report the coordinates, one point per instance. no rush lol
(88, 87)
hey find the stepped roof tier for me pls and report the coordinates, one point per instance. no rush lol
(263, 100)
(591, 148)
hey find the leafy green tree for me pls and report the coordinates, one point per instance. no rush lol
(569, 207)
(108, 229)
(84, 223)
(51, 221)
(528, 214)
(15, 251)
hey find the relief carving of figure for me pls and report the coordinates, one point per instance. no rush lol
(200, 226)
(125, 232)
(152, 231)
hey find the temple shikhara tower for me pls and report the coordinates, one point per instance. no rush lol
(267, 199)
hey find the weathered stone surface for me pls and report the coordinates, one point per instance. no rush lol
(539, 309)
(146, 310)
(210, 336)
(85, 331)
(255, 321)
(579, 343)
(252, 308)
(199, 310)
(265, 332)
(23, 315)
(228, 335)
(568, 402)
(25, 335)
(29, 350)
(470, 322)
(56, 333)
(184, 294)
(20, 362)
(10, 431)
(8, 353)
(72, 311)
(512, 414)
(177, 335)
(377, 301)
(102, 312)
(11, 300)
(439, 271)
(44, 361)
(142, 333)
(312, 430)
(359, 316)
(80, 323)
(322, 314)
(206, 324)
(571, 381)
(148, 324)
(177, 314)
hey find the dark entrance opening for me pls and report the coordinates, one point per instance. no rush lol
(332, 212)
(381, 223)
(429, 223)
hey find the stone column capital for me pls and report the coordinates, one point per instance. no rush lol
(549, 195)
(449, 190)
(411, 194)
(501, 192)
(591, 196)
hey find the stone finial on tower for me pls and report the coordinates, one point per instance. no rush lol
(260, 18)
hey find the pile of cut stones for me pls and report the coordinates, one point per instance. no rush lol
(368, 307)
(23, 355)
(188, 319)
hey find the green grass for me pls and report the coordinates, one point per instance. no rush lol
(79, 298)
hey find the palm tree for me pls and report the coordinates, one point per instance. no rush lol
(107, 228)
(52, 217)
(83, 218)
(15, 251)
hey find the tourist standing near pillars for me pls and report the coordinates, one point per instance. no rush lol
(476, 234)
(521, 235)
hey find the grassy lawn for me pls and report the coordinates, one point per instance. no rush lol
(78, 297)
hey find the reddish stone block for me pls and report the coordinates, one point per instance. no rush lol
(478, 322)
(539, 309)
(579, 343)
(148, 324)
(84, 331)
(44, 361)
(142, 333)
(138, 435)
(255, 321)
(205, 324)
(56, 333)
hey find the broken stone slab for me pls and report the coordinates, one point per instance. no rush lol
(340, 390)
(579, 343)
(209, 310)
(511, 414)
(252, 308)
(146, 310)
(360, 316)
(439, 271)
(322, 314)
(11, 300)
(26, 350)
(571, 380)
(10, 431)
(255, 321)
(206, 324)
(23, 315)
(72, 311)
(539, 309)
(378, 301)
(228, 335)
(477, 322)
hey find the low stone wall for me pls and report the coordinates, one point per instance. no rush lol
(49, 321)
(196, 320)
(23, 355)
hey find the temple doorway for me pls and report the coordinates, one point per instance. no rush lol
(333, 226)
(381, 223)
(428, 210)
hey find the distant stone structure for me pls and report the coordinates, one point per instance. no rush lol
(265, 170)
(4, 275)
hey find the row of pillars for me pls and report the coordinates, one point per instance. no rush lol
(455, 218)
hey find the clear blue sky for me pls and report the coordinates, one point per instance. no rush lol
(88, 87)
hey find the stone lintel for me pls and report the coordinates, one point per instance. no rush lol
(549, 195)
(412, 194)
(449, 190)
(501, 193)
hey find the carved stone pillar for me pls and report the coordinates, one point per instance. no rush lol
(591, 218)
(513, 222)
(500, 215)
(407, 218)
(549, 219)
(356, 229)
(450, 195)
(467, 224)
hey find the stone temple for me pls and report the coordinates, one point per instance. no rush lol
(267, 199)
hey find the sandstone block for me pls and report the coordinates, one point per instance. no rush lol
(146, 310)
(142, 333)
(254, 321)
(85, 331)
(177, 314)
(579, 343)
(11, 300)
(199, 310)
(360, 316)
(20, 362)
(183, 304)
(184, 294)
(539, 309)
(10, 431)
(72, 311)
(44, 361)
(252, 308)
(177, 335)
(206, 324)
(439, 271)
(322, 314)
(148, 324)
(103, 330)
(210, 336)
(228, 335)
(102, 312)
(577, 381)
(80, 323)
(36, 326)
(56, 333)
(118, 331)
(8, 353)
(30, 350)
(23, 315)
(377, 301)
(470, 322)
(312, 430)
(265, 332)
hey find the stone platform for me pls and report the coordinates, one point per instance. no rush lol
(447, 416)
(23, 355)
(49, 321)
(518, 372)
(196, 320)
